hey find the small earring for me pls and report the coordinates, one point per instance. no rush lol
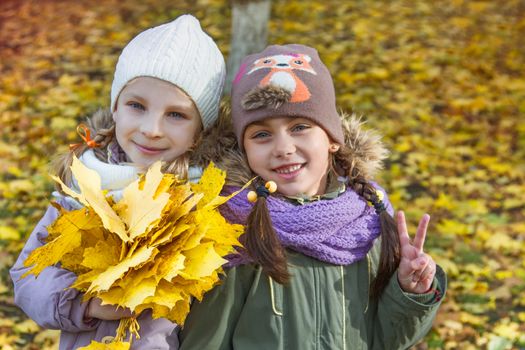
(334, 147)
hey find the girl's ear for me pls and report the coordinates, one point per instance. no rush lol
(114, 111)
(334, 147)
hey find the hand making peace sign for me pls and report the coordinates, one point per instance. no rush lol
(417, 269)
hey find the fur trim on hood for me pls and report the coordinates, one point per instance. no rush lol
(219, 144)
(367, 151)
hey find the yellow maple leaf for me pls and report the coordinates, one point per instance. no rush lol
(104, 280)
(141, 205)
(157, 310)
(160, 245)
(224, 234)
(101, 256)
(168, 233)
(69, 261)
(170, 266)
(166, 184)
(90, 237)
(69, 239)
(219, 200)
(179, 194)
(193, 238)
(80, 220)
(167, 294)
(180, 311)
(83, 282)
(130, 293)
(177, 241)
(210, 184)
(185, 208)
(197, 288)
(92, 196)
(201, 261)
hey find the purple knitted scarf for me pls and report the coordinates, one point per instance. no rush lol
(339, 231)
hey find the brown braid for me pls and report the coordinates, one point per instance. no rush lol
(390, 246)
(263, 245)
(61, 164)
(104, 137)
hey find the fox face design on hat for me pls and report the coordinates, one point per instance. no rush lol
(282, 73)
(284, 81)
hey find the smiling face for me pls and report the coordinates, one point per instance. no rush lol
(155, 120)
(293, 152)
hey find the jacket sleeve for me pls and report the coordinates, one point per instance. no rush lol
(211, 323)
(47, 299)
(402, 319)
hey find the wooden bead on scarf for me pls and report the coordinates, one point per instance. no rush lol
(271, 186)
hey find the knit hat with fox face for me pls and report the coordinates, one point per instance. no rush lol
(285, 81)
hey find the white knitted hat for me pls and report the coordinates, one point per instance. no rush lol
(178, 52)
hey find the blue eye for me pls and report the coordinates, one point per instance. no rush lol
(300, 127)
(175, 115)
(136, 105)
(260, 135)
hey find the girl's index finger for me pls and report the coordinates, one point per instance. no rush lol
(404, 239)
(421, 232)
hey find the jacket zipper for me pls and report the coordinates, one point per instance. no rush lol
(343, 305)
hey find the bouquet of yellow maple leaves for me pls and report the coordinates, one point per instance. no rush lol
(156, 248)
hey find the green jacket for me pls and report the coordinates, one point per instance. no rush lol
(324, 306)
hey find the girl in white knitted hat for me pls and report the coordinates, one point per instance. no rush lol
(165, 94)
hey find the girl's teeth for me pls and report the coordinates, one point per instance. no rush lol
(288, 170)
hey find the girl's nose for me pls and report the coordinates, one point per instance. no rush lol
(283, 145)
(151, 125)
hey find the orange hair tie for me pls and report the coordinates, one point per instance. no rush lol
(84, 133)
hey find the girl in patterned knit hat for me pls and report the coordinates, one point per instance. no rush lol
(165, 95)
(324, 264)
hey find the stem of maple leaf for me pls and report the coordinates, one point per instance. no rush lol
(123, 251)
(133, 247)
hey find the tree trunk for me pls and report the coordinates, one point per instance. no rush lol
(249, 33)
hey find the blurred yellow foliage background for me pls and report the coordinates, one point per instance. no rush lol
(443, 81)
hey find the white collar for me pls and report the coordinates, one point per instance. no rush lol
(112, 176)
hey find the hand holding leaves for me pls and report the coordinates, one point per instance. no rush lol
(417, 269)
(95, 309)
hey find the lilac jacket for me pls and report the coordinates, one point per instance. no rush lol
(49, 302)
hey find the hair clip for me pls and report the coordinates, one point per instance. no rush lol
(84, 133)
(262, 191)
